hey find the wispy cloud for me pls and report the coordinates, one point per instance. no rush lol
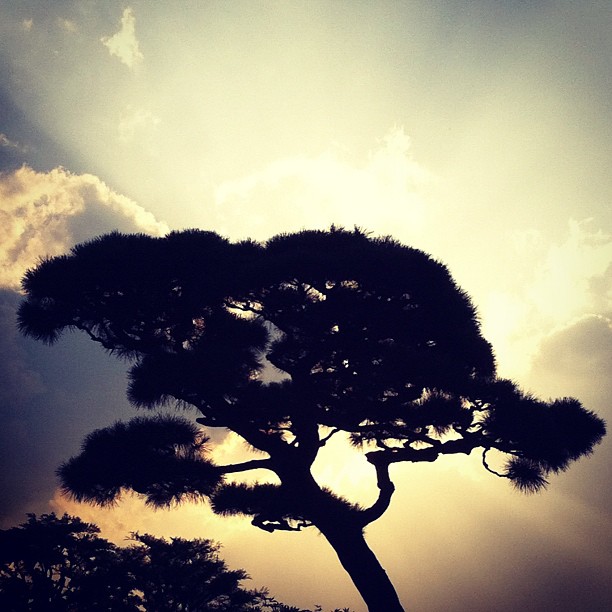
(566, 272)
(67, 24)
(135, 122)
(380, 193)
(124, 43)
(567, 280)
(45, 213)
(6, 142)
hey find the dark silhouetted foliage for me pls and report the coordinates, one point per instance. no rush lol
(161, 458)
(51, 563)
(288, 343)
(62, 564)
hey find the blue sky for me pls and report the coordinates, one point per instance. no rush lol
(478, 131)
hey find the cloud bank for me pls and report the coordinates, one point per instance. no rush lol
(47, 398)
(45, 213)
(553, 285)
(50, 398)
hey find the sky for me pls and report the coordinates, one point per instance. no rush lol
(478, 131)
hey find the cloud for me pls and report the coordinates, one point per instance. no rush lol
(18, 383)
(384, 192)
(45, 213)
(50, 398)
(67, 24)
(558, 283)
(6, 142)
(46, 400)
(137, 123)
(20, 388)
(124, 44)
(576, 360)
(563, 288)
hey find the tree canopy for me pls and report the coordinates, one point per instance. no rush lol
(62, 564)
(288, 343)
(51, 563)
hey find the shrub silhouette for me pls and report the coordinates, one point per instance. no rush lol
(51, 563)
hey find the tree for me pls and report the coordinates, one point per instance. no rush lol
(53, 564)
(288, 343)
(188, 575)
(62, 564)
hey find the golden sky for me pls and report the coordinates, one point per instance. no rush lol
(476, 130)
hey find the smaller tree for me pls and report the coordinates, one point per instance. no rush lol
(51, 563)
(62, 564)
(180, 574)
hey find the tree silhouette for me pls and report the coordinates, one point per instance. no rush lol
(61, 564)
(53, 564)
(288, 343)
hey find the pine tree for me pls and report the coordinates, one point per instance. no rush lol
(364, 338)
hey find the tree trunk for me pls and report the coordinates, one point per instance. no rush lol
(363, 567)
(343, 529)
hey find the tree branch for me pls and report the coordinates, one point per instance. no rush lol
(253, 464)
(386, 490)
(208, 421)
(382, 459)
(488, 467)
(465, 445)
(255, 437)
(323, 441)
(278, 524)
(106, 345)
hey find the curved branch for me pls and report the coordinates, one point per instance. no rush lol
(408, 453)
(323, 441)
(488, 467)
(386, 490)
(207, 421)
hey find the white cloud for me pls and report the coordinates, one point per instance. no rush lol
(124, 44)
(384, 194)
(46, 213)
